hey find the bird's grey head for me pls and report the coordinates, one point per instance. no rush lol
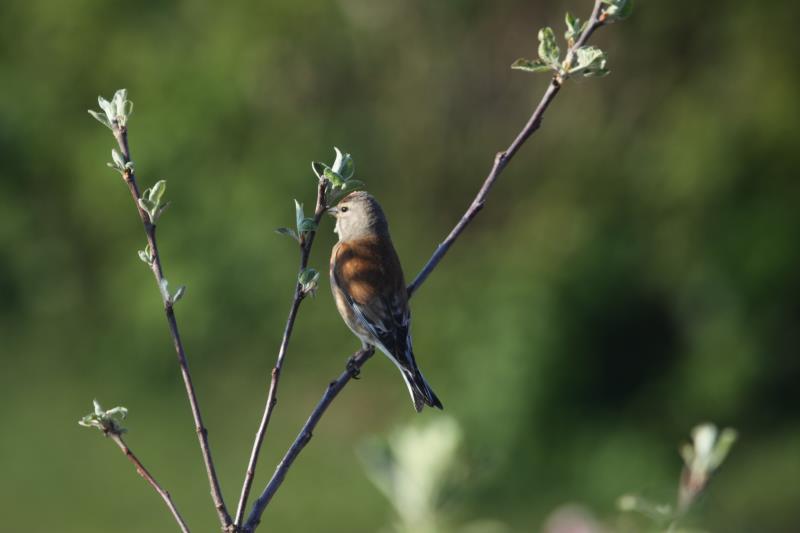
(358, 215)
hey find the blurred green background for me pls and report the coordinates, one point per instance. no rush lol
(634, 272)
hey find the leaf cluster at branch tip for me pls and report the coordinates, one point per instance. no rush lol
(339, 175)
(105, 421)
(114, 113)
(586, 61)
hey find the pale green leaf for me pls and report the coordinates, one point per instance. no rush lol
(157, 191)
(589, 61)
(288, 232)
(101, 118)
(298, 214)
(107, 108)
(336, 180)
(119, 104)
(352, 185)
(120, 411)
(349, 186)
(308, 280)
(160, 211)
(118, 160)
(120, 97)
(722, 447)
(634, 503)
(179, 294)
(105, 421)
(618, 9)
(148, 206)
(338, 161)
(306, 225)
(343, 165)
(548, 49)
(319, 169)
(530, 65)
(574, 28)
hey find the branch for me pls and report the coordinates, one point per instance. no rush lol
(501, 160)
(334, 387)
(150, 479)
(306, 241)
(108, 421)
(120, 131)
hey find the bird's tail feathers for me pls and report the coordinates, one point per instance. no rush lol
(421, 393)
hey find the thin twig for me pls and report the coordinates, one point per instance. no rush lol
(334, 387)
(500, 161)
(502, 158)
(306, 241)
(150, 479)
(121, 135)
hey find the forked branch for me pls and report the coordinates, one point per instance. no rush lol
(579, 60)
(334, 387)
(598, 18)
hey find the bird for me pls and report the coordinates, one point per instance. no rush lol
(370, 291)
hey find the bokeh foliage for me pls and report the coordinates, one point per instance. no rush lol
(634, 272)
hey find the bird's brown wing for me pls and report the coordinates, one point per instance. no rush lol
(375, 292)
(372, 294)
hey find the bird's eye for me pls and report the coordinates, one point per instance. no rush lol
(343, 209)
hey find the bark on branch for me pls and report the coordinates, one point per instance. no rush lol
(121, 135)
(306, 241)
(150, 479)
(334, 387)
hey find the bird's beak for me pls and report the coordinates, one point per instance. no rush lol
(332, 211)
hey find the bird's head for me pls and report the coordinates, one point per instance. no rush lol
(358, 215)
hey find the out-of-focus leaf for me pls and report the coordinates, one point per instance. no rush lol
(308, 280)
(288, 232)
(574, 28)
(618, 9)
(548, 49)
(589, 61)
(531, 65)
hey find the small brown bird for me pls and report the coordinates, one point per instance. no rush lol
(370, 291)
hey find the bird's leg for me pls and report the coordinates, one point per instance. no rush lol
(352, 367)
